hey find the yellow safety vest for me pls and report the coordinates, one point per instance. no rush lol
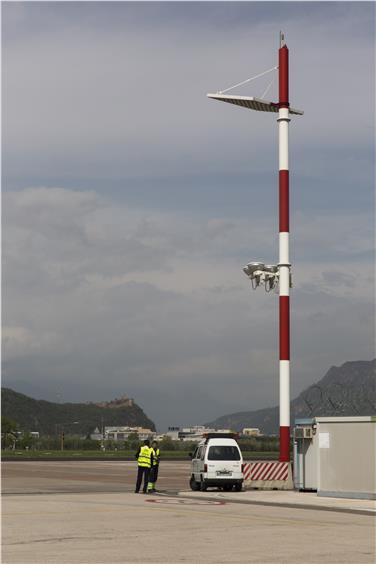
(144, 458)
(155, 456)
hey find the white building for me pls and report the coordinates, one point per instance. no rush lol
(119, 433)
(251, 432)
(173, 433)
(195, 433)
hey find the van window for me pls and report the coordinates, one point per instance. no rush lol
(223, 453)
(198, 452)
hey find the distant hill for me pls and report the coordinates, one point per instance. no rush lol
(76, 418)
(345, 390)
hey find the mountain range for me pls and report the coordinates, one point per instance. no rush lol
(345, 390)
(75, 418)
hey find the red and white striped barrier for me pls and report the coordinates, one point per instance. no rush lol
(267, 474)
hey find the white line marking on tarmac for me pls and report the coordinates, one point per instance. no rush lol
(174, 501)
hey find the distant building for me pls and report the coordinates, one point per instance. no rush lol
(122, 433)
(251, 432)
(195, 433)
(96, 435)
(119, 433)
(173, 433)
(123, 401)
(33, 434)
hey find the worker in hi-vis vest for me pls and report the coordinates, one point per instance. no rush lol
(144, 458)
(154, 468)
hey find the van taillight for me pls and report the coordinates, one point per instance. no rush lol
(243, 467)
(205, 467)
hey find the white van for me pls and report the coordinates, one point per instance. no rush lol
(217, 462)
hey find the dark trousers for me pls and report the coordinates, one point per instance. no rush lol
(142, 472)
(154, 474)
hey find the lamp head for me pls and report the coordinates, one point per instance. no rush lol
(273, 268)
(252, 267)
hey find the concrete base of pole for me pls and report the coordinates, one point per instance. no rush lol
(268, 476)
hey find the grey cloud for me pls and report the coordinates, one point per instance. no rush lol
(138, 304)
(339, 278)
(107, 102)
(68, 236)
(131, 201)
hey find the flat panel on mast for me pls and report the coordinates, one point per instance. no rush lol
(251, 103)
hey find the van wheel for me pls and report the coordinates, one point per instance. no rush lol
(195, 486)
(204, 487)
(238, 487)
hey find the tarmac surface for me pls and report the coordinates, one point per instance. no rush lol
(86, 512)
(88, 476)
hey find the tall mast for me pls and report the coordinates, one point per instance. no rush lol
(284, 258)
(266, 274)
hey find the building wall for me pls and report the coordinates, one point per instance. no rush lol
(305, 465)
(346, 457)
(251, 432)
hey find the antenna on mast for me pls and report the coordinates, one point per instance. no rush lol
(281, 39)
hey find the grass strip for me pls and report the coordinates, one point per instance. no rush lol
(112, 455)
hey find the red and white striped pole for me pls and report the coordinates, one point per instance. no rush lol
(284, 259)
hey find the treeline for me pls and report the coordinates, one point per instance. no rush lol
(249, 444)
(26, 441)
(259, 444)
(12, 439)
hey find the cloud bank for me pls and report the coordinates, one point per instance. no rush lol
(131, 201)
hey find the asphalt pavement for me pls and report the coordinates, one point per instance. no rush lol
(86, 512)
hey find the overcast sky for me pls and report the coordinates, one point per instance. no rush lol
(131, 201)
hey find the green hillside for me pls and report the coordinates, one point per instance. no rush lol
(76, 418)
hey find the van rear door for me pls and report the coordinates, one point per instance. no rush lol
(224, 461)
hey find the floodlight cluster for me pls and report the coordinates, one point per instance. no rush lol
(261, 274)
